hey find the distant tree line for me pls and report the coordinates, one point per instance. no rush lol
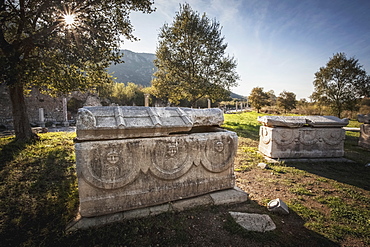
(341, 88)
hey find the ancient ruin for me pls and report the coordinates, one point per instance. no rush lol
(302, 136)
(135, 157)
(364, 140)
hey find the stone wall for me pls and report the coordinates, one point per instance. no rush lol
(53, 106)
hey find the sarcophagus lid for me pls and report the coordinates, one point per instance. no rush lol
(301, 121)
(121, 122)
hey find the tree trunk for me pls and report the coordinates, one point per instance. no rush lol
(22, 127)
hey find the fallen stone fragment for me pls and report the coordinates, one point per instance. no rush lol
(263, 165)
(278, 206)
(254, 222)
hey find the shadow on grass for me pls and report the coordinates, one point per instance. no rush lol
(11, 150)
(39, 197)
(344, 172)
(202, 226)
(353, 173)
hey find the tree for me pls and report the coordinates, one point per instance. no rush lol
(287, 101)
(191, 59)
(272, 98)
(340, 83)
(258, 98)
(59, 46)
(121, 94)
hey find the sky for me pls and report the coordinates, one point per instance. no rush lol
(278, 44)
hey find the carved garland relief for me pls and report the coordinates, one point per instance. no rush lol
(111, 166)
(286, 136)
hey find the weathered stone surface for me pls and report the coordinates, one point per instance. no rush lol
(364, 140)
(136, 157)
(254, 222)
(301, 121)
(125, 174)
(193, 202)
(229, 196)
(278, 206)
(305, 142)
(122, 122)
(302, 136)
(234, 195)
(282, 121)
(364, 118)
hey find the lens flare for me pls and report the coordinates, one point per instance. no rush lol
(69, 19)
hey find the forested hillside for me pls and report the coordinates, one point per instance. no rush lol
(137, 68)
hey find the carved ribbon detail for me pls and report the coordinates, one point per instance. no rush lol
(265, 135)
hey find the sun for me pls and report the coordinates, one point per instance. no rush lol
(69, 19)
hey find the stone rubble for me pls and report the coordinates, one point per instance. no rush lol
(254, 222)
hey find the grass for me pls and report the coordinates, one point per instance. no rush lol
(329, 203)
(332, 198)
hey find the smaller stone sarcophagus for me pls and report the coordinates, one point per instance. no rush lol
(364, 140)
(302, 136)
(134, 157)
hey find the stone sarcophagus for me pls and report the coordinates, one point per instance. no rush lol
(134, 157)
(302, 136)
(364, 140)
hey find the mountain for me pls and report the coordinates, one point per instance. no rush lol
(237, 96)
(137, 68)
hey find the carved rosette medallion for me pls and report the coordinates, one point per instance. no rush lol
(333, 137)
(284, 136)
(170, 159)
(219, 153)
(308, 137)
(110, 166)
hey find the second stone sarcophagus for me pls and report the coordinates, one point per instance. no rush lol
(364, 140)
(302, 136)
(133, 157)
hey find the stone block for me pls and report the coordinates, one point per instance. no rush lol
(305, 142)
(301, 121)
(193, 202)
(122, 122)
(318, 137)
(254, 222)
(364, 140)
(131, 158)
(234, 195)
(229, 196)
